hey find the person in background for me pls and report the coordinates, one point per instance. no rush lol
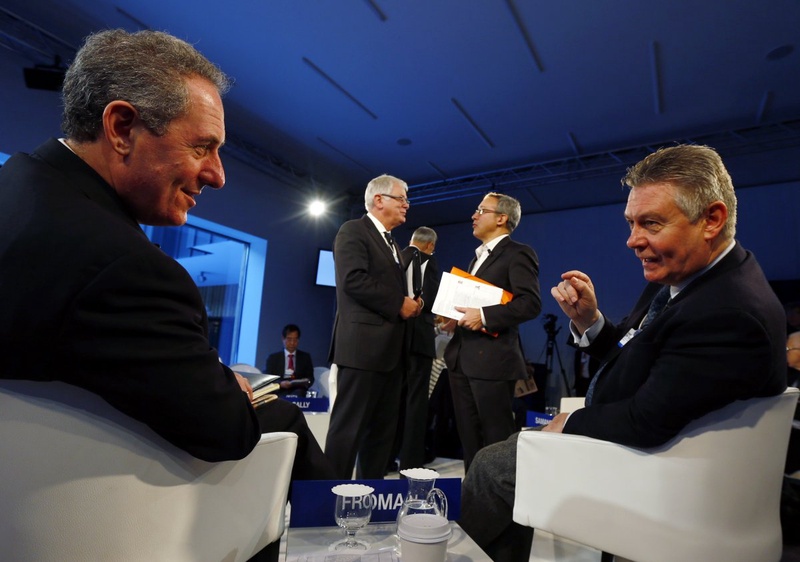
(706, 331)
(790, 492)
(420, 341)
(368, 333)
(293, 365)
(793, 379)
(484, 358)
(87, 299)
(793, 358)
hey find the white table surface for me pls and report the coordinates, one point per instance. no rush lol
(303, 541)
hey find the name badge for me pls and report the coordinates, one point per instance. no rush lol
(627, 337)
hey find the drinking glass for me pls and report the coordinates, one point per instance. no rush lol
(354, 503)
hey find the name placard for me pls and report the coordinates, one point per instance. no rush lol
(313, 503)
(534, 419)
(309, 404)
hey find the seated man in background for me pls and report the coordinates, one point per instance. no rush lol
(293, 365)
(86, 298)
(707, 330)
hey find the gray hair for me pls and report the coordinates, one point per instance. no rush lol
(699, 176)
(424, 235)
(148, 69)
(382, 185)
(508, 206)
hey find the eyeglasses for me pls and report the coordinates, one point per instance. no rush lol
(793, 349)
(482, 211)
(403, 200)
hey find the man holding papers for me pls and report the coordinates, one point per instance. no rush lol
(484, 358)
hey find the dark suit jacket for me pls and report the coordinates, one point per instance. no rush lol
(88, 300)
(303, 366)
(721, 339)
(515, 268)
(370, 287)
(421, 330)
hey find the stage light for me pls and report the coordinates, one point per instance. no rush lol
(317, 208)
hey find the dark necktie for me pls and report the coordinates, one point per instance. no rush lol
(416, 272)
(657, 305)
(390, 240)
(291, 362)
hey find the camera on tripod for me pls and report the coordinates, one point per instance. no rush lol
(551, 349)
(549, 323)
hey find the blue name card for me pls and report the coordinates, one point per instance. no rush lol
(313, 503)
(309, 404)
(534, 419)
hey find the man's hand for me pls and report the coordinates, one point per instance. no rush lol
(449, 326)
(557, 424)
(576, 297)
(471, 319)
(410, 308)
(244, 384)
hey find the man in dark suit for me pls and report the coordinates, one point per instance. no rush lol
(422, 273)
(367, 346)
(719, 337)
(484, 358)
(294, 366)
(86, 298)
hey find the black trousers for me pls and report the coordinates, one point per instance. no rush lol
(484, 412)
(487, 504)
(363, 421)
(415, 411)
(310, 463)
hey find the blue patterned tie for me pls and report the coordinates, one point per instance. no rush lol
(658, 304)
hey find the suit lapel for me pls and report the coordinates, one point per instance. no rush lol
(378, 239)
(493, 256)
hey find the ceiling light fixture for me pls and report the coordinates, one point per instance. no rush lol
(317, 208)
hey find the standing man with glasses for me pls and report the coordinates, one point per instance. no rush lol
(484, 358)
(368, 333)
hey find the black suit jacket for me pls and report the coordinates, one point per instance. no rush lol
(303, 366)
(421, 330)
(370, 287)
(721, 339)
(85, 298)
(515, 268)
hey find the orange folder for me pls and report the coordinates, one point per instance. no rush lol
(507, 296)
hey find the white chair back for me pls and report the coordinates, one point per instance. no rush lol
(82, 481)
(711, 493)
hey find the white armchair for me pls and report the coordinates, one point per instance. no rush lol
(81, 481)
(711, 493)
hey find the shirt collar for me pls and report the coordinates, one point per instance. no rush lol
(490, 245)
(675, 289)
(378, 224)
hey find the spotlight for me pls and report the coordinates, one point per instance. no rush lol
(316, 208)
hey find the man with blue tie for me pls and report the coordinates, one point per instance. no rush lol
(716, 336)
